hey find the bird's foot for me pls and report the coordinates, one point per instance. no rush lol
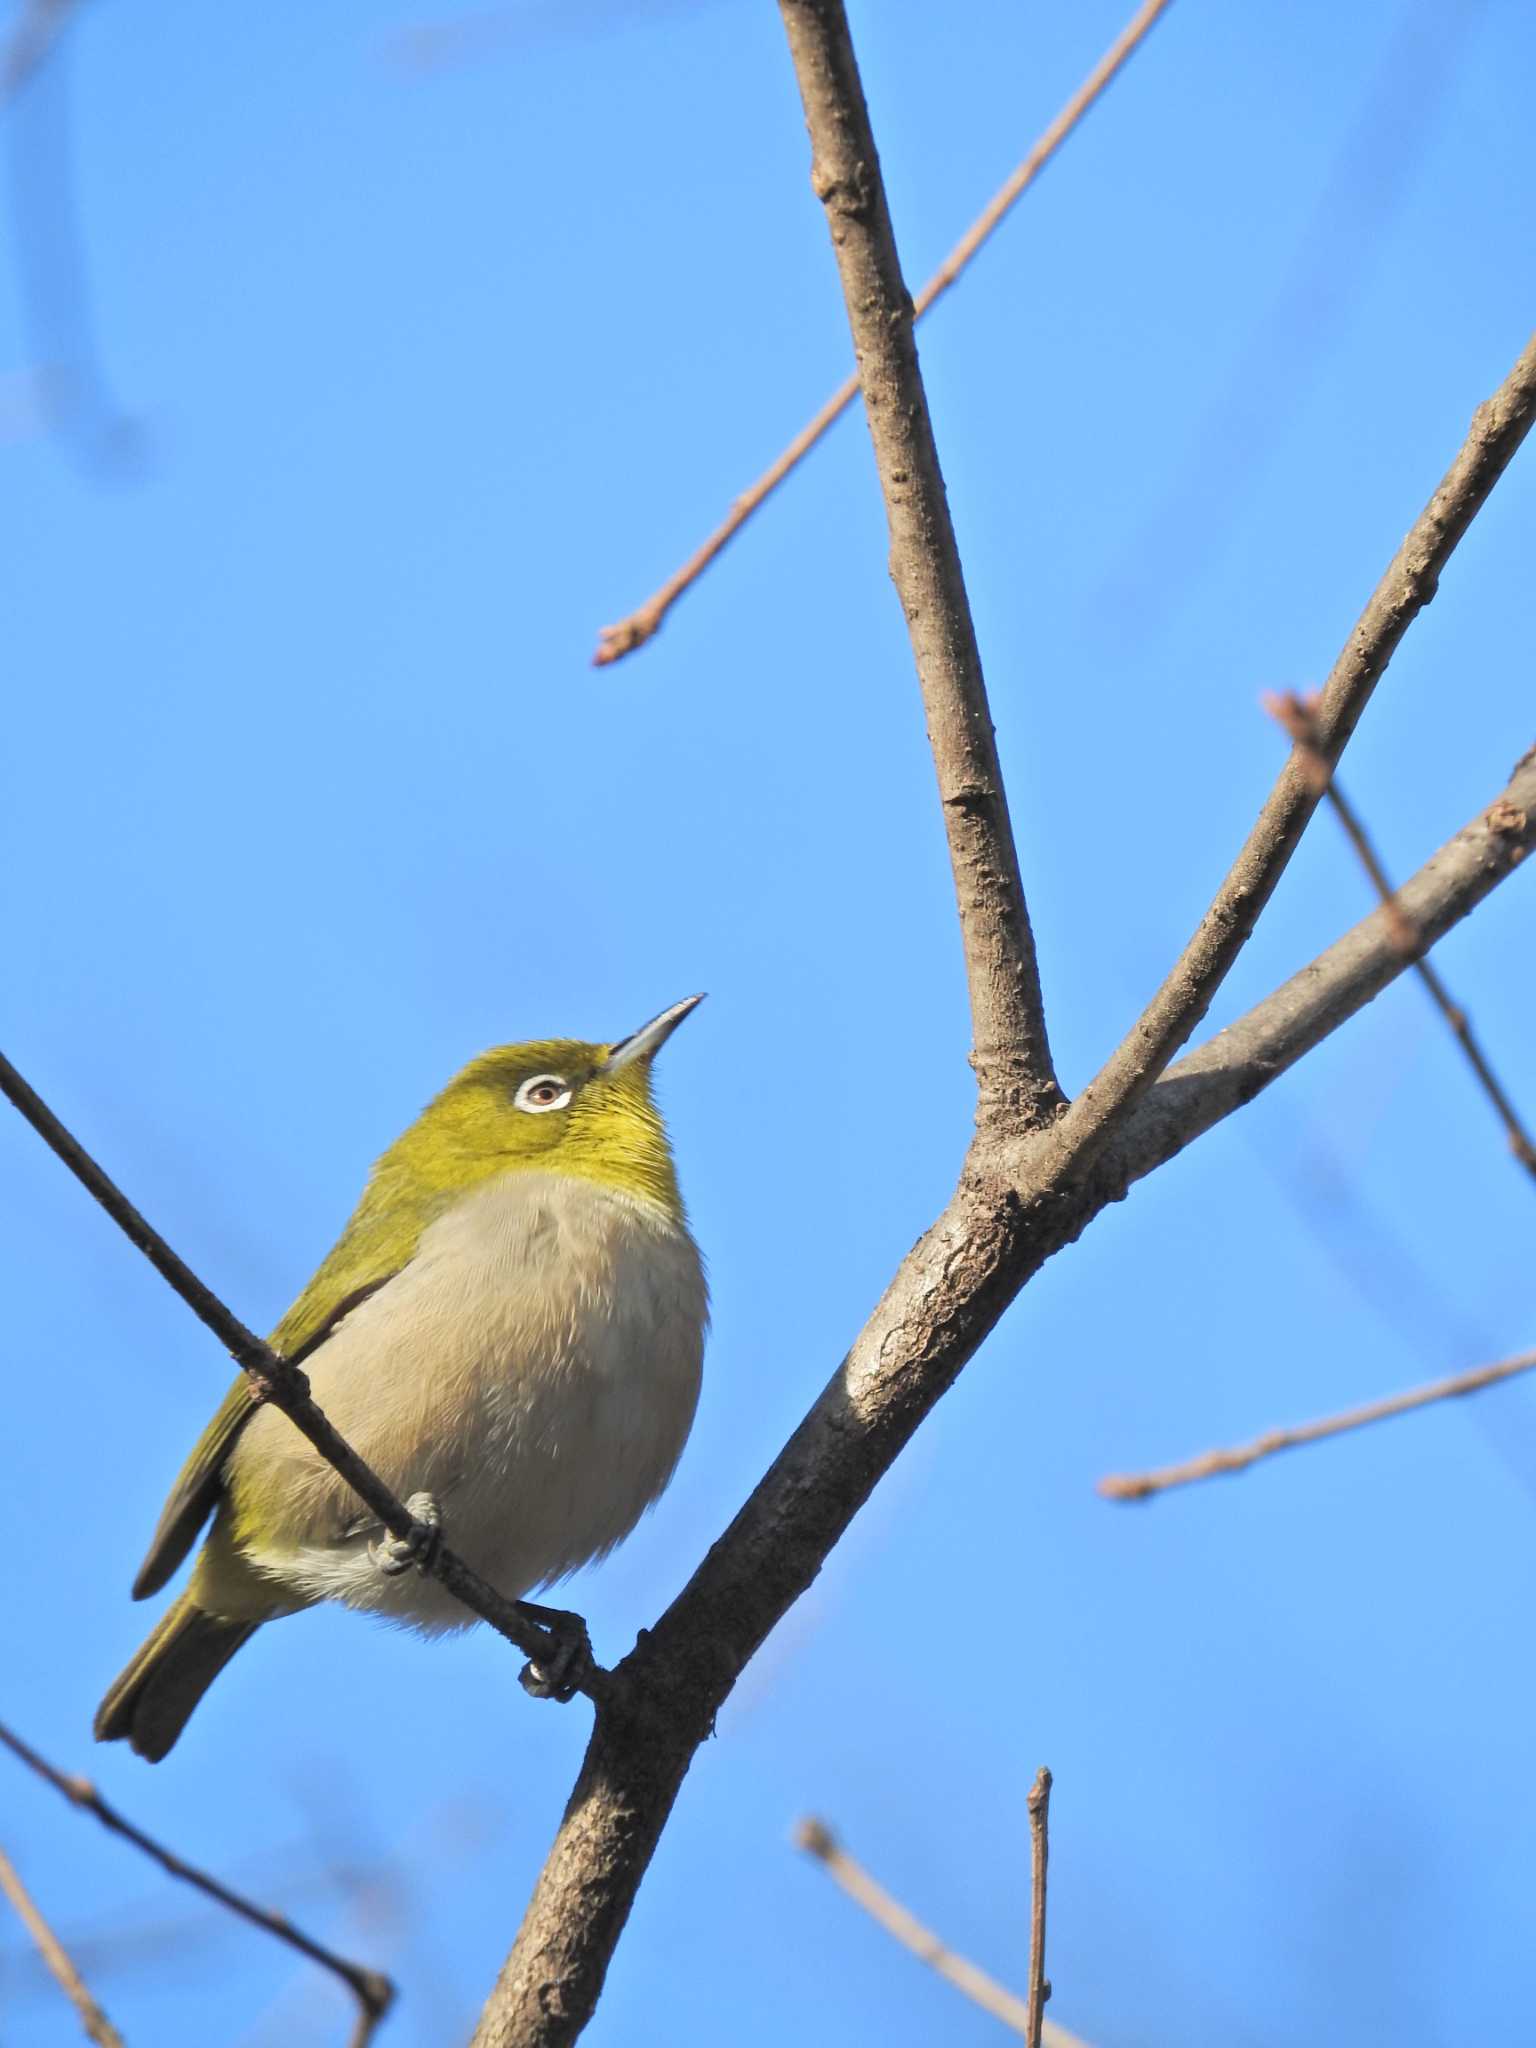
(397, 1554)
(556, 1673)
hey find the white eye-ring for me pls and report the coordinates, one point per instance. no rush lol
(541, 1092)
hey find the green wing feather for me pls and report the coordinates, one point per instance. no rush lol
(381, 1238)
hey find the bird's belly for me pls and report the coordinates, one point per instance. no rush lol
(535, 1369)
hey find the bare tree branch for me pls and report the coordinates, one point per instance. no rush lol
(53, 1952)
(817, 1839)
(614, 642)
(1039, 1857)
(1499, 425)
(1011, 1055)
(374, 1992)
(1297, 715)
(1141, 1485)
(284, 1385)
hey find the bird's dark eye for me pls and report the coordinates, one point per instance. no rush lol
(541, 1092)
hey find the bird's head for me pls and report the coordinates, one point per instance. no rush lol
(557, 1105)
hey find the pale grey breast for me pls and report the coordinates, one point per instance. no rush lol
(535, 1367)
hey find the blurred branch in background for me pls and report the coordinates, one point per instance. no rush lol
(374, 1992)
(1210, 1464)
(1345, 231)
(1297, 715)
(488, 31)
(37, 27)
(614, 642)
(816, 1839)
(95, 2022)
(66, 386)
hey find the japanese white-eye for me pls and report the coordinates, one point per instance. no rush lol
(511, 1325)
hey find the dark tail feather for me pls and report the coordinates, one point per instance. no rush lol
(152, 1700)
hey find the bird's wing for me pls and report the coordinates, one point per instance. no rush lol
(302, 1331)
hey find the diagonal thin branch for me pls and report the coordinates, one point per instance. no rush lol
(1498, 427)
(373, 1991)
(1210, 1464)
(1016, 1082)
(1297, 715)
(284, 1385)
(97, 2026)
(1226, 1072)
(1039, 1857)
(817, 1840)
(614, 642)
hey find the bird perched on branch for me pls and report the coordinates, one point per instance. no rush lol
(509, 1331)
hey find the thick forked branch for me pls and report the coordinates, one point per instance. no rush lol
(284, 1385)
(945, 1298)
(1238, 1458)
(1011, 1053)
(371, 1988)
(616, 641)
(1498, 427)
(98, 2027)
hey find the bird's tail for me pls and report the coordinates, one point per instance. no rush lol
(151, 1702)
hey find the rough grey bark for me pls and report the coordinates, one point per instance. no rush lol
(1015, 1080)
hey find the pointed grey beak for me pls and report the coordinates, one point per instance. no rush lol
(650, 1038)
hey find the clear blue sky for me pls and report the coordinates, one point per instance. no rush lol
(310, 793)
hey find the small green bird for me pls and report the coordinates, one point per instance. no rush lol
(509, 1330)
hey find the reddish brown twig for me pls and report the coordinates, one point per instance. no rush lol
(614, 642)
(1210, 1464)
(817, 1839)
(1296, 714)
(53, 1952)
(373, 1991)
(1039, 1856)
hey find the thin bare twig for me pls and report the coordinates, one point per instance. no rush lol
(1210, 1464)
(284, 1385)
(614, 642)
(373, 1991)
(1039, 1856)
(816, 1839)
(1498, 427)
(53, 1952)
(1297, 715)
(1233, 1067)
